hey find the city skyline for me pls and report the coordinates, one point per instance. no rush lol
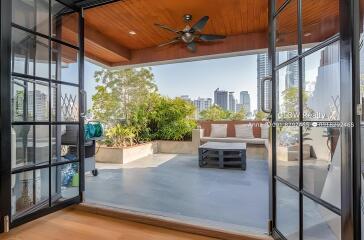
(223, 98)
(197, 78)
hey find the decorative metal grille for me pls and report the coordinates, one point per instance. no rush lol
(69, 107)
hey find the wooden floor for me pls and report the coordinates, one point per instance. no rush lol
(79, 225)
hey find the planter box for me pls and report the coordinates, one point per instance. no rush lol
(291, 153)
(124, 155)
(128, 154)
(176, 147)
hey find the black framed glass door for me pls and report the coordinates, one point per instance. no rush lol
(42, 95)
(313, 146)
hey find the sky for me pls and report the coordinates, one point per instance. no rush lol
(198, 78)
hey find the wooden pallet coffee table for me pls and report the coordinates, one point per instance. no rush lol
(224, 154)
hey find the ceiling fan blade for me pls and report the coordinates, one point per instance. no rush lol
(211, 37)
(200, 24)
(192, 46)
(166, 27)
(170, 42)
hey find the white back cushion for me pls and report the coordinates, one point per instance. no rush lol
(218, 130)
(244, 131)
(264, 131)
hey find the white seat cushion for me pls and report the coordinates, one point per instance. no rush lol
(244, 131)
(226, 140)
(255, 141)
(259, 141)
(218, 131)
(264, 131)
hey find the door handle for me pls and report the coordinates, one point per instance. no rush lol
(83, 94)
(262, 94)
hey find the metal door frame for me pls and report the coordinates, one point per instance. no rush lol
(6, 26)
(350, 99)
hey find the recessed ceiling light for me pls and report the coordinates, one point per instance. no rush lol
(132, 33)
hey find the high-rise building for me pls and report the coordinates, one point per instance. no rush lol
(232, 102)
(292, 74)
(292, 77)
(263, 70)
(202, 104)
(186, 98)
(221, 98)
(245, 101)
(239, 106)
(41, 105)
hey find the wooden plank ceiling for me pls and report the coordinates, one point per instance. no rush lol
(244, 22)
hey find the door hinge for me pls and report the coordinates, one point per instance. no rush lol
(270, 226)
(6, 223)
(359, 110)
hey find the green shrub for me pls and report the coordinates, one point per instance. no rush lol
(241, 115)
(260, 115)
(178, 130)
(121, 135)
(163, 118)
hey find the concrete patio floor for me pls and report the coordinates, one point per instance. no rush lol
(173, 185)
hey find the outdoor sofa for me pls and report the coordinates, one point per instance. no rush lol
(250, 132)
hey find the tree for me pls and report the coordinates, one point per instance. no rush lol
(215, 113)
(290, 105)
(119, 92)
(290, 100)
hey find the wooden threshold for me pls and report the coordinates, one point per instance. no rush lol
(166, 222)
(73, 224)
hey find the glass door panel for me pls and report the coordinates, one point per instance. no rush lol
(321, 84)
(286, 33)
(306, 132)
(65, 182)
(322, 163)
(287, 219)
(31, 14)
(318, 28)
(287, 94)
(64, 27)
(319, 222)
(287, 158)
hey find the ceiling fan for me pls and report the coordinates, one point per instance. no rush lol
(191, 35)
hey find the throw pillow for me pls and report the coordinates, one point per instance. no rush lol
(218, 131)
(244, 131)
(264, 131)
